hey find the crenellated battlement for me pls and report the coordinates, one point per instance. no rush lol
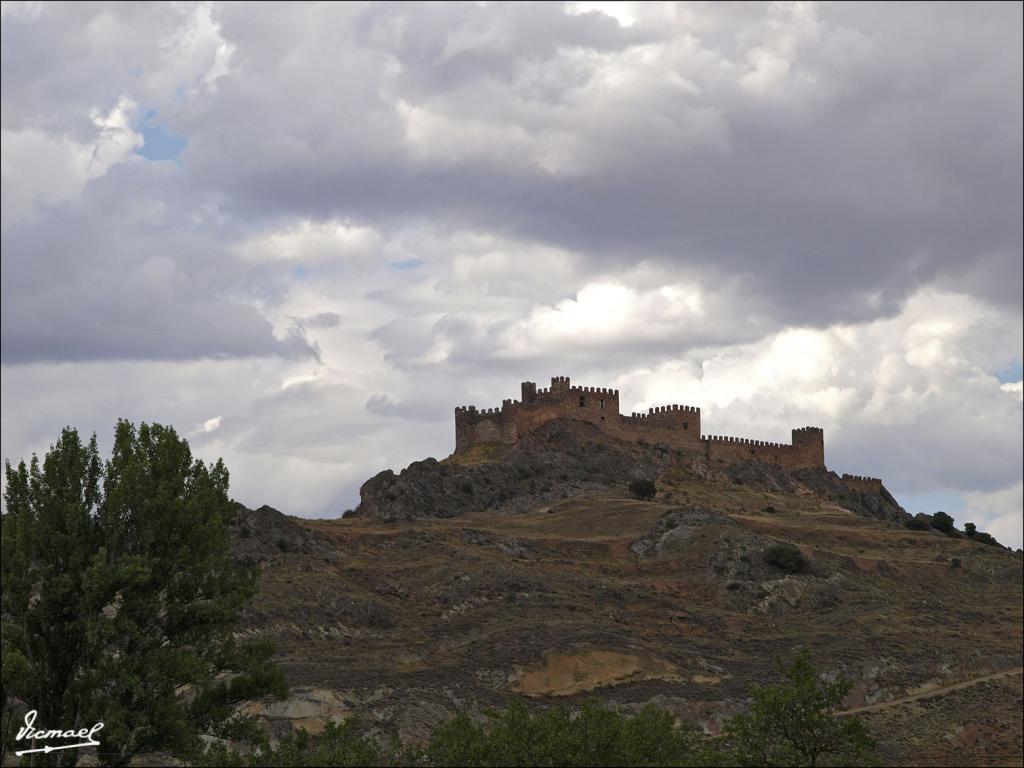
(806, 451)
(743, 441)
(665, 410)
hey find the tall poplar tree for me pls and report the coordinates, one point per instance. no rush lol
(120, 595)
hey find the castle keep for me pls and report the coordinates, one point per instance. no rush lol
(674, 425)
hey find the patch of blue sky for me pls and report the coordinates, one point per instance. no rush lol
(407, 264)
(1011, 373)
(158, 142)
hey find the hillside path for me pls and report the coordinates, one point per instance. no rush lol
(933, 692)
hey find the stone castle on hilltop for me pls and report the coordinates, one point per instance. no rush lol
(677, 426)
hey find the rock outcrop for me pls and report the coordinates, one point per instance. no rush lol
(558, 460)
(260, 534)
(564, 458)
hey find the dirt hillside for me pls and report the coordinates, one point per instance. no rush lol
(565, 588)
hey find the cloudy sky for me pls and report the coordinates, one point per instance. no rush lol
(302, 234)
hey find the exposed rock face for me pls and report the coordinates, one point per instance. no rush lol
(260, 534)
(868, 502)
(560, 459)
(788, 591)
(877, 504)
(674, 529)
(764, 477)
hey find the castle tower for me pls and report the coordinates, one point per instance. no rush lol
(810, 443)
(559, 383)
(529, 391)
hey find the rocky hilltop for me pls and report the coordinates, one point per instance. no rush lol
(563, 459)
(528, 570)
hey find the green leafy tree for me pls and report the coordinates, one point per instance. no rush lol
(593, 736)
(794, 723)
(970, 529)
(119, 596)
(942, 522)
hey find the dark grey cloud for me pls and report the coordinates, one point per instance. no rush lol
(898, 167)
(886, 157)
(124, 274)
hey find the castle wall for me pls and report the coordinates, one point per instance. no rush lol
(491, 425)
(675, 425)
(729, 449)
(859, 483)
(805, 452)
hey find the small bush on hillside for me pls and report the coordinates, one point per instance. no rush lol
(645, 490)
(917, 524)
(954, 563)
(986, 538)
(786, 558)
(942, 522)
(970, 529)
